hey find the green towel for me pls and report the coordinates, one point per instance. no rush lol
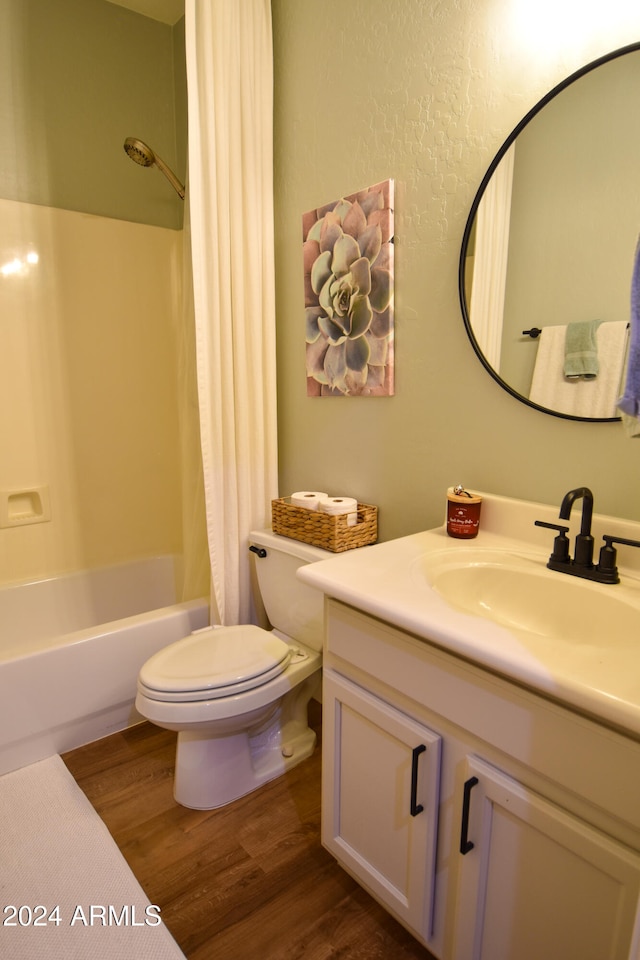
(581, 350)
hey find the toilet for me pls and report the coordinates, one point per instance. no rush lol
(238, 696)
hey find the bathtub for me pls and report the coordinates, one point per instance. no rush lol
(71, 648)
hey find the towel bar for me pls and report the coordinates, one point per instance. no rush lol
(535, 332)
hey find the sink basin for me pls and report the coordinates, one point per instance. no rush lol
(519, 592)
(494, 602)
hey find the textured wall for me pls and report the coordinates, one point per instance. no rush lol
(425, 93)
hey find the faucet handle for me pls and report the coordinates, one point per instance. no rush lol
(560, 544)
(608, 557)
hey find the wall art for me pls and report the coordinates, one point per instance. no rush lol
(348, 286)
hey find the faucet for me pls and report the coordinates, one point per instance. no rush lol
(582, 564)
(583, 556)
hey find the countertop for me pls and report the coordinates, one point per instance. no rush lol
(388, 581)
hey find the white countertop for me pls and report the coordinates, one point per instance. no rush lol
(388, 581)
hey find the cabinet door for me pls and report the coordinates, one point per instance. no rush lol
(380, 799)
(537, 882)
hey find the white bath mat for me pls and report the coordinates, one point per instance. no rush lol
(66, 892)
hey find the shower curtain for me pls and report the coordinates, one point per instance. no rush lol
(490, 261)
(230, 192)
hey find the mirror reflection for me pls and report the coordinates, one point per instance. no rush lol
(547, 257)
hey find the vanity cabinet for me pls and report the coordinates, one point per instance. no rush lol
(380, 816)
(538, 882)
(526, 844)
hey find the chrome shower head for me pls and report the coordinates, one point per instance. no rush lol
(144, 155)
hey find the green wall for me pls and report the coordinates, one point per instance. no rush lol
(424, 92)
(76, 78)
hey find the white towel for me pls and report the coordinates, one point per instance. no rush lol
(580, 398)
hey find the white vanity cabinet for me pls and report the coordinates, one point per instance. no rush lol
(527, 842)
(380, 807)
(539, 882)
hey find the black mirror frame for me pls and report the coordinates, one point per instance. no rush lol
(630, 48)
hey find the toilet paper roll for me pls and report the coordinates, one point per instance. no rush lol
(307, 498)
(337, 506)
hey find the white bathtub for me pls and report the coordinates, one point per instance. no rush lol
(70, 651)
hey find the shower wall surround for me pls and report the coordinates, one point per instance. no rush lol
(88, 400)
(425, 92)
(88, 336)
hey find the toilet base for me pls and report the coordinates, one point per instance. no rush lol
(212, 771)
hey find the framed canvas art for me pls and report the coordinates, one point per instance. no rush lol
(348, 285)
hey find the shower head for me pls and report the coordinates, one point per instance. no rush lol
(139, 152)
(144, 155)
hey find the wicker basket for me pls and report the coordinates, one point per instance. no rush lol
(322, 529)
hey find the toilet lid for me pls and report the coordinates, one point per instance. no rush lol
(213, 663)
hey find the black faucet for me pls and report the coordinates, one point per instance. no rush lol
(583, 556)
(582, 564)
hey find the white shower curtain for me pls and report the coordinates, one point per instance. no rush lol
(490, 261)
(230, 109)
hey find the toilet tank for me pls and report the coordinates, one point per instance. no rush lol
(293, 608)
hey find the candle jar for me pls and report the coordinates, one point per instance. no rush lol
(463, 513)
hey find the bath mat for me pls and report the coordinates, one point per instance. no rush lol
(66, 892)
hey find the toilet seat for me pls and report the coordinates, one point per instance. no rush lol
(214, 663)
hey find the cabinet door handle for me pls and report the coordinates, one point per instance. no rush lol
(465, 844)
(416, 808)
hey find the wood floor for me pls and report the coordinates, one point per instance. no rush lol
(247, 882)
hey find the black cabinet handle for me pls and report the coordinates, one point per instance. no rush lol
(465, 844)
(416, 808)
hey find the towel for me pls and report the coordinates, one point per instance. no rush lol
(579, 398)
(631, 426)
(629, 402)
(581, 349)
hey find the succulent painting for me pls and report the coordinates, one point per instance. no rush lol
(348, 281)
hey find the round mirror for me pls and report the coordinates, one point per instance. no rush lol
(548, 249)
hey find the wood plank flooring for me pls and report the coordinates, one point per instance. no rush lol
(247, 882)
